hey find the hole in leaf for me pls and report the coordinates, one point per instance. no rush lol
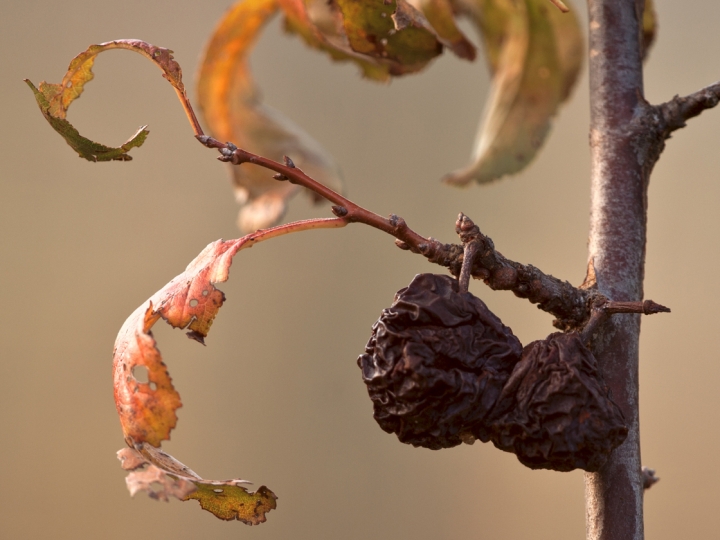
(193, 303)
(206, 292)
(141, 374)
(218, 490)
(153, 386)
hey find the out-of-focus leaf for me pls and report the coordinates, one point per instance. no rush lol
(147, 405)
(649, 27)
(320, 24)
(162, 476)
(534, 52)
(384, 38)
(439, 14)
(55, 99)
(232, 109)
(390, 29)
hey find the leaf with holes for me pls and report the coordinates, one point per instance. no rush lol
(55, 99)
(161, 476)
(190, 301)
(231, 106)
(145, 397)
(534, 52)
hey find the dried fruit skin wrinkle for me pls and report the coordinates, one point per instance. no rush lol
(442, 369)
(436, 363)
(554, 412)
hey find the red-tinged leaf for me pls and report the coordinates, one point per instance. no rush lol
(535, 53)
(161, 476)
(55, 99)
(147, 404)
(231, 106)
(190, 301)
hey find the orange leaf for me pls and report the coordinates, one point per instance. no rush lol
(231, 106)
(147, 405)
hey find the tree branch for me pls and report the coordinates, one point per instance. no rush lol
(475, 257)
(623, 150)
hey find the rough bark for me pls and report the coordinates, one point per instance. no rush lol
(620, 170)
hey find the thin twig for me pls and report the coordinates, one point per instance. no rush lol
(571, 305)
(471, 249)
(680, 109)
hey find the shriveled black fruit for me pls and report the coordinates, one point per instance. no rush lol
(554, 412)
(436, 363)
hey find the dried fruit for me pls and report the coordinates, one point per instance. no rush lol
(436, 363)
(554, 412)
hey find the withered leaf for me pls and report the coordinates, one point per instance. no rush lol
(147, 410)
(232, 109)
(55, 99)
(534, 52)
(189, 301)
(161, 476)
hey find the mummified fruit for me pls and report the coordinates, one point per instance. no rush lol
(436, 363)
(554, 412)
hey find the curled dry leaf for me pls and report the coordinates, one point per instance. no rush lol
(147, 409)
(55, 99)
(147, 404)
(232, 109)
(534, 52)
(161, 476)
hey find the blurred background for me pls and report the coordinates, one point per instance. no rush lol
(276, 396)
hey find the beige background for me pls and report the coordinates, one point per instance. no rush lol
(276, 396)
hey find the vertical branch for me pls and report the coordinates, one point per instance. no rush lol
(614, 495)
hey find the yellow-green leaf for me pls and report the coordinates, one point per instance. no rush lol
(320, 24)
(232, 109)
(55, 99)
(439, 13)
(161, 476)
(86, 148)
(534, 52)
(391, 30)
